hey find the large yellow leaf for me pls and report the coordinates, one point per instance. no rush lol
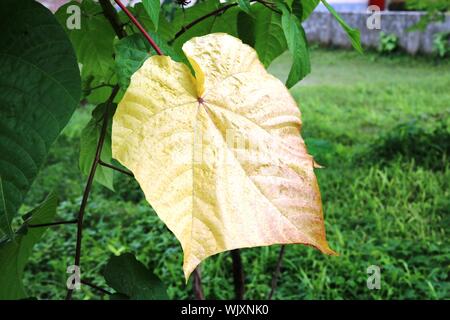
(219, 156)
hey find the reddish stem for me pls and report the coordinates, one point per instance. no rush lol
(139, 26)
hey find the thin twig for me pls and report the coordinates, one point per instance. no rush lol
(93, 286)
(217, 12)
(57, 223)
(277, 272)
(87, 189)
(238, 275)
(89, 90)
(197, 284)
(139, 26)
(104, 164)
(269, 6)
(200, 19)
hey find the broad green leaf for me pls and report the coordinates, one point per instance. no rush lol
(226, 22)
(353, 34)
(131, 278)
(93, 43)
(153, 7)
(219, 156)
(246, 28)
(6, 225)
(298, 46)
(245, 6)
(270, 41)
(166, 30)
(302, 9)
(14, 254)
(308, 7)
(88, 146)
(40, 83)
(132, 51)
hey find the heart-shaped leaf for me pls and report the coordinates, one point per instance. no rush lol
(40, 89)
(219, 156)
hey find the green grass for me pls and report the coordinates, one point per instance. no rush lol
(393, 213)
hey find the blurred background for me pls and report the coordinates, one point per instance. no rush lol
(377, 122)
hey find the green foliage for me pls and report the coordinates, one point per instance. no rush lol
(132, 51)
(245, 6)
(153, 7)
(269, 40)
(165, 30)
(298, 46)
(130, 278)
(93, 43)
(425, 140)
(435, 12)
(40, 91)
(388, 43)
(441, 44)
(14, 254)
(88, 146)
(225, 22)
(302, 8)
(353, 33)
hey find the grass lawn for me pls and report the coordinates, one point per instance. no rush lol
(379, 125)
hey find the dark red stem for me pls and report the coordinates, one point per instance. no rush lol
(198, 289)
(139, 26)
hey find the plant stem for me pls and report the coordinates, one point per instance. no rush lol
(104, 164)
(216, 13)
(87, 189)
(200, 19)
(88, 90)
(238, 274)
(277, 272)
(139, 26)
(110, 13)
(93, 286)
(197, 284)
(57, 223)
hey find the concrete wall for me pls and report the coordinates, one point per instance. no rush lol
(322, 28)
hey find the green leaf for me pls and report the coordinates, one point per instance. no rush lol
(14, 254)
(165, 29)
(40, 83)
(226, 22)
(352, 33)
(270, 41)
(6, 223)
(298, 46)
(308, 7)
(302, 9)
(245, 6)
(132, 51)
(246, 28)
(88, 146)
(153, 7)
(130, 277)
(94, 46)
